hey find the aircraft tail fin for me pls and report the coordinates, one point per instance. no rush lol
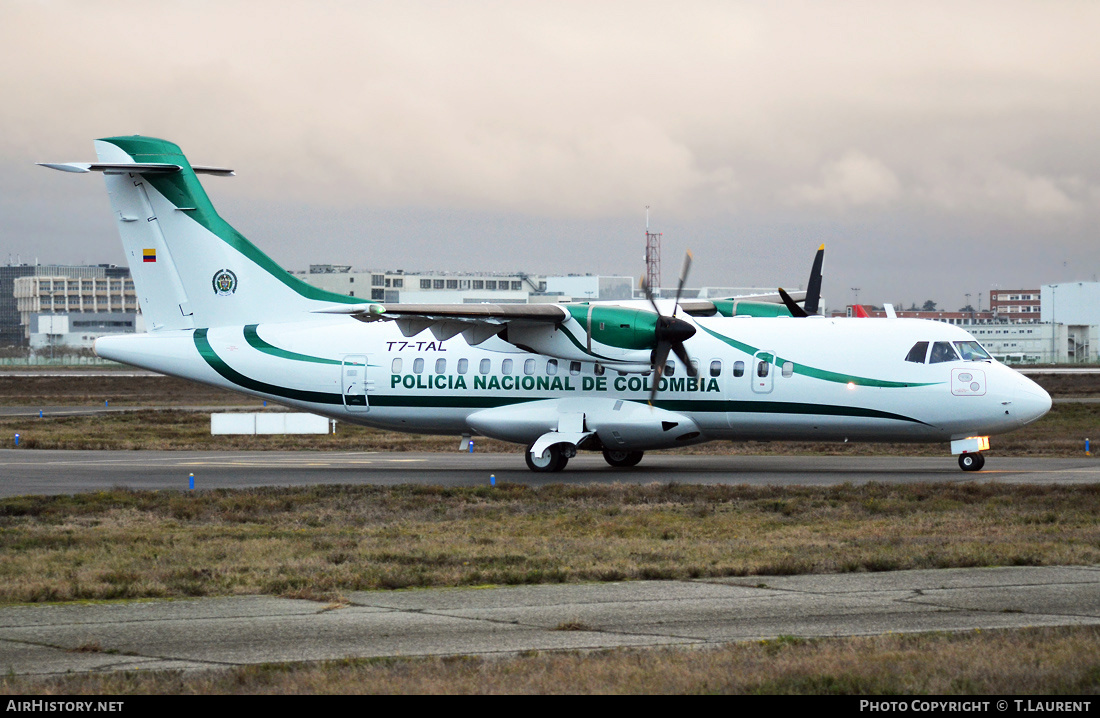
(190, 267)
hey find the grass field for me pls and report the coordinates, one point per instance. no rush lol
(1045, 662)
(318, 542)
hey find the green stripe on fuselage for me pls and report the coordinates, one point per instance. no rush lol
(252, 336)
(823, 374)
(217, 364)
(206, 351)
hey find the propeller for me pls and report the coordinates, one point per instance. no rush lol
(671, 333)
(813, 290)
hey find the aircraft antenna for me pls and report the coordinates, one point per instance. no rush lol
(652, 256)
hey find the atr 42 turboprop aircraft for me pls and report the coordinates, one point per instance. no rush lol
(555, 377)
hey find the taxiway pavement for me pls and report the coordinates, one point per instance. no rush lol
(222, 632)
(65, 472)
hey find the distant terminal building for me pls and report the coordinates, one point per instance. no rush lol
(400, 286)
(1021, 306)
(1057, 323)
(424, 287)
(984, 317)
(81, 303)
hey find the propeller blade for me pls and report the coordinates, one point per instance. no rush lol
(659, 358)
(683, 279)
(682, 355)
(649, 296)
(813, 288)
(794, 309)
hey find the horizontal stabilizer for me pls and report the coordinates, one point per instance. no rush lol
(142, 168)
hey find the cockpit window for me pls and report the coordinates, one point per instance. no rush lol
(972, 351)
(918, 352)
(941, 352)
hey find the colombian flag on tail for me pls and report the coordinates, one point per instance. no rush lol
(149, 255)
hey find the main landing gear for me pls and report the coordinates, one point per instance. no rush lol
(557, 456)
(553, 459)
(622, 459)
(971, 461)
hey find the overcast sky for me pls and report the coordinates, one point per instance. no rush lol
(937, 149)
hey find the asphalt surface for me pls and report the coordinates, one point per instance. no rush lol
(65, 472)
(222, 632)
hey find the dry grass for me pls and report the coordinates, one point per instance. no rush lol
(1062, 432)
(84, 390)
(1048, 661)
(184, 430)
(321, 542)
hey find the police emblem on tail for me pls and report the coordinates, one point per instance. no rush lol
(225, 282)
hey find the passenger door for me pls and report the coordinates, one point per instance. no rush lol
(355, 382)
(763, 372)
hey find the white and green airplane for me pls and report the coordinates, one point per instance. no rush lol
(556, 378)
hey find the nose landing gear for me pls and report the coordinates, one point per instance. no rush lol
(971, 461)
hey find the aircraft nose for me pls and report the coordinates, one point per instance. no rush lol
(1032, 401)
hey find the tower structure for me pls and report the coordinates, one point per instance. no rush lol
(652, 257)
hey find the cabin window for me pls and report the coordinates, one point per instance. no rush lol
(670, 369)
(441, 366)
(395, 366)
(418, 365)
(529, 367)
(597, 369)
(552, 367)
(506, 367)
(484, 366)
(972, 351)
(463, 365)
(917, 353)
(716, 367)
(739, 368)
(695, 366)
(941, 352)
(762, 368)
(574, 368)
(788, 369)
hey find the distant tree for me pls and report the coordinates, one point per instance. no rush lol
(913, 307)
(929, 306)
(968, 308)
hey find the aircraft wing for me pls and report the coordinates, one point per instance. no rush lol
(708, 308)
(476, 322)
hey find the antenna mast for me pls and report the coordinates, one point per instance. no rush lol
(652, 257)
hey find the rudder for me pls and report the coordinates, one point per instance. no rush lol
(190, 267)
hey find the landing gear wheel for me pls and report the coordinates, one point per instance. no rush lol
(973, 461)
(622, 459)
(553, 459)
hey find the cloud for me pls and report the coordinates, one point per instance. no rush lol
(854, 180)
(954, 120)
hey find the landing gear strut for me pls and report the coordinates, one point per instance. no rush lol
(622, 459)
(553, 459)
(971, 461)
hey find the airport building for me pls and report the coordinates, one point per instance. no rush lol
(65, 305)
(1020, 306)
(1055, 324)
(399, 286)
(396, 286)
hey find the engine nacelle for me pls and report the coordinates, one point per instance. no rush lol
(612, 335)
